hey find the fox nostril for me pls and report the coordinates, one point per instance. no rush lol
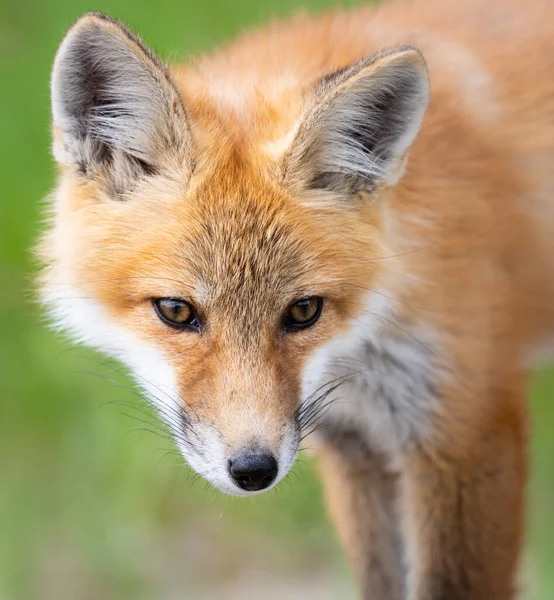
(253, 472)
(243, 480)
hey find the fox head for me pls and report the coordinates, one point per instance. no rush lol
(222, 253)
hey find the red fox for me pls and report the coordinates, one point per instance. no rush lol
(342, 222)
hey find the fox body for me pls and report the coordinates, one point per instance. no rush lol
(342, 222)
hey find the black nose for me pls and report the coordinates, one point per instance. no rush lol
(253, 472)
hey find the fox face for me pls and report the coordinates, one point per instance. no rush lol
(218, 257)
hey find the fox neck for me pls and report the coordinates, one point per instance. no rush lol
(385, 372)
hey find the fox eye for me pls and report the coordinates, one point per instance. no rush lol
(177, 313)
(303, 313)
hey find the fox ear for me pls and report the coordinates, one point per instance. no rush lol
(359, 125)
(115, 108)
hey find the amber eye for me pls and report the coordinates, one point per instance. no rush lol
(177, 313)
(303, 313)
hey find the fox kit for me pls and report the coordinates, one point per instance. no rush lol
(342, 223)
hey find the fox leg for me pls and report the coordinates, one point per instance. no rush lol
(448, 523)
(463, 504)
(361, 497)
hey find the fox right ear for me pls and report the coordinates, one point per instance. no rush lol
(116, 109)
(359, 125)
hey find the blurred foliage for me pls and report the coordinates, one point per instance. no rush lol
(91, 504)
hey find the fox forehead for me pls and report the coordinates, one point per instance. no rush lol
(245, 238)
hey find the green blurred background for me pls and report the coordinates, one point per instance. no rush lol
(91, 505)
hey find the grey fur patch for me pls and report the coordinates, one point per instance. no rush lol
(388, 404)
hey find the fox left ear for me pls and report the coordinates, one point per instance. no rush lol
(359, 125)
(117, 113)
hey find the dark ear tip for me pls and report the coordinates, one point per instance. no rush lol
(408, 60)
(82, 25)
(93, 17)
(409, 55)
(86, 30)
(98, 15)
(95, 20)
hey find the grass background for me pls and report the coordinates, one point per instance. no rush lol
(92, 506)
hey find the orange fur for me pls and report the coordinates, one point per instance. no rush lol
(463, 243)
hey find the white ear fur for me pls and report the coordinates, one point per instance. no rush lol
(360, 124)
(114, 103)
